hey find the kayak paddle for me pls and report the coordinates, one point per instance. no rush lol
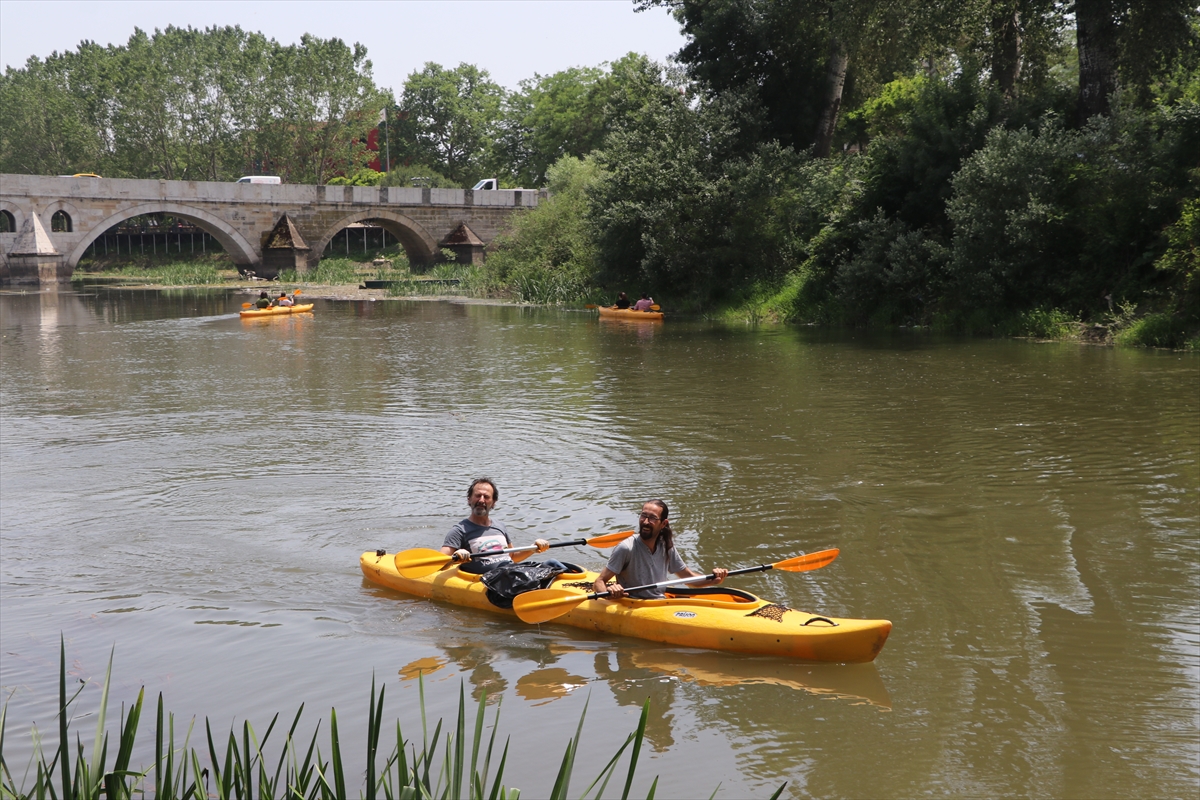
(543, 605)
(422, 561)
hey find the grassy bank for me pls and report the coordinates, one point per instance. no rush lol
(455, 761)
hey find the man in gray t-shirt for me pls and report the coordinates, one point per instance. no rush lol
(479, 533)
(648, 558)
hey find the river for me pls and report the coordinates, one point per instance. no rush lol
(192, 492)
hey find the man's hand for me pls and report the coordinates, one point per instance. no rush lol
(719, 575)
(461, 556)
(616, 591)
(542, 545)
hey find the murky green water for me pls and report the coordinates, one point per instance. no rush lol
(196, 490)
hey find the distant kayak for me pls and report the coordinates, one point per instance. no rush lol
(275, 311)
(715, 619)
(628, 313)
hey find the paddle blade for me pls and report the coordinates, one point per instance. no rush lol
(247, 305)
(421, 561)
(543, 605)
(297, 292)
(805, 563)
(609, 539)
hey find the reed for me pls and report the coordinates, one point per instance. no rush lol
(191, 272)
(237, 768)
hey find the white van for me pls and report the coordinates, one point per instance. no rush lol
(274, 179)
(487, 183)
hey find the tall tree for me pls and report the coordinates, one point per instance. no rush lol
(449, 119)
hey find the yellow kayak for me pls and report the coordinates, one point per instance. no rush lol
(611, 312)
(716, 619)
(274, 311)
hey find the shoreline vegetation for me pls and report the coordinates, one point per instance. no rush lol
(343, 279)
(439, 765)
(998, 168)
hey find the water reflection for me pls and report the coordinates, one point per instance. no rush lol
(548, 684)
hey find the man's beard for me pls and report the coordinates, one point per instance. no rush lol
(480, 509)
(646, 531)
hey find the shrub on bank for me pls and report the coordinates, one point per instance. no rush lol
(1155, 330)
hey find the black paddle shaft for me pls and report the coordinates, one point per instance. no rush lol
(571, 543)
(695, 579)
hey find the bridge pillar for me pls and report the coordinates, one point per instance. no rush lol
(33, 258)
(283, 249)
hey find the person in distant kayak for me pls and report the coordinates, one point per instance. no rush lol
(284, 300)
(648, 558)
(622, 301)
(479, 533)
(263, 301)
(643, 304)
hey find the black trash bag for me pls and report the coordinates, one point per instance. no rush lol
(509, 580)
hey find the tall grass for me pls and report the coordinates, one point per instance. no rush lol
(191, 272)
(237, 768)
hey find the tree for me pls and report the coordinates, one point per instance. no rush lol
(1128, 39)
(449, 119)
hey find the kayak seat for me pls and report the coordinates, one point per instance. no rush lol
(736, 595)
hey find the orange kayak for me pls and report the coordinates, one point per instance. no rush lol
(610, 312)
(717, 619)
(275, 311)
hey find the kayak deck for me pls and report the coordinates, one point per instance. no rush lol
(276, 311)
(729, 620)
(628, 313)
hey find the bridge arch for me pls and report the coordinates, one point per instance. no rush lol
(240, 250)
(420, 247)
(14, 211)
(52, 208)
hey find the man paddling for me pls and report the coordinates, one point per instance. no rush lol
(648, 558)
(479, 533)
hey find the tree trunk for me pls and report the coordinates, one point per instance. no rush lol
(1095, 37)
(1006, 49)
(835, 81)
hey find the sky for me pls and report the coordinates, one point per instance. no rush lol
(511, 39)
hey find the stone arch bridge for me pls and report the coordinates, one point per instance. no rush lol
(263, 227)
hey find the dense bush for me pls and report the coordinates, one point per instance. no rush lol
(549, 256)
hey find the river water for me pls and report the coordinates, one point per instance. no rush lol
(194, 490)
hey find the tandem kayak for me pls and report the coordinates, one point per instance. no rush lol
(716, 618)
(275, 311)
(609, 312)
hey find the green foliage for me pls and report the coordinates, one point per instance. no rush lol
(190, 272)
(1062, 218)
(241, 769)
(334, 271)
(569, 113)
(448, 119)
(1042, 323)
(1181, 260)
(549, 256)
(1154, 330)
(410, 176)
(361, 177)
(188, 104)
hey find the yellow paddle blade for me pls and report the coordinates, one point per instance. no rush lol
(247, 305)
(421, 561)
(805, 563)
(609, 539)
(297, 292)
(656, 307)
(543, 605)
